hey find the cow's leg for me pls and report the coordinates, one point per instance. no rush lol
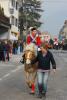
(27, 77)
(33, 77)
(33, 82)
(28, 81)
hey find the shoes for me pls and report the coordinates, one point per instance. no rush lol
(39, 95)
(32, 92)
(44, 94)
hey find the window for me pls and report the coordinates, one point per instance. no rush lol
(16, 5)
(12, 20)
(16, 22)
(13, 3)
(11, 11)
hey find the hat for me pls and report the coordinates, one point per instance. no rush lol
(33, 29)
(30, 28)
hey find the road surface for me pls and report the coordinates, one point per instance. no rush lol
(12, 80)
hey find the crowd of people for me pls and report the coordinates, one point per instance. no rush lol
(7, 48)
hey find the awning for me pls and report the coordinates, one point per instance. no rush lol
(3, 29)
(4, 24)
(4, 21)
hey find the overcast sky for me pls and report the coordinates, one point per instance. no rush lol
(54, 15)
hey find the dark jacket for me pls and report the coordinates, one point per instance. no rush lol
(44, 61)
(1, 47)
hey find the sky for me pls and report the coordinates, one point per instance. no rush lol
(53, 16)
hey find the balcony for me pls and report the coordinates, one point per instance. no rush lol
(4, 21)
(11, 10)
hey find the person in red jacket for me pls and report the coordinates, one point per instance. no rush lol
(34, 37)
(38, 41)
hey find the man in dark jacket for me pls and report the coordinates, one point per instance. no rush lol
(2, 58)
(44, 58)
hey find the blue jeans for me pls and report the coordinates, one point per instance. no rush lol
(15, 50)
(42, 78)
(4, 54)
(18, 50)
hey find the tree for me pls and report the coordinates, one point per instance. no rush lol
(30, 14)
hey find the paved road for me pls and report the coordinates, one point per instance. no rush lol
(13, 86)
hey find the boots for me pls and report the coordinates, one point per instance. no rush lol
(32, 89)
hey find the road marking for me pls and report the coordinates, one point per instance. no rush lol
(8, 74)
(12, 71)
(0, 79)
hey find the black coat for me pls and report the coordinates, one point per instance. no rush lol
(44, 61)
(1, 47)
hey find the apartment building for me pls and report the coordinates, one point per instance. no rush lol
(63, 32)
(11, 10)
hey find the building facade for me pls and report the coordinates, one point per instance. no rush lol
(63, 32)
(11, 10)
(4, 26)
